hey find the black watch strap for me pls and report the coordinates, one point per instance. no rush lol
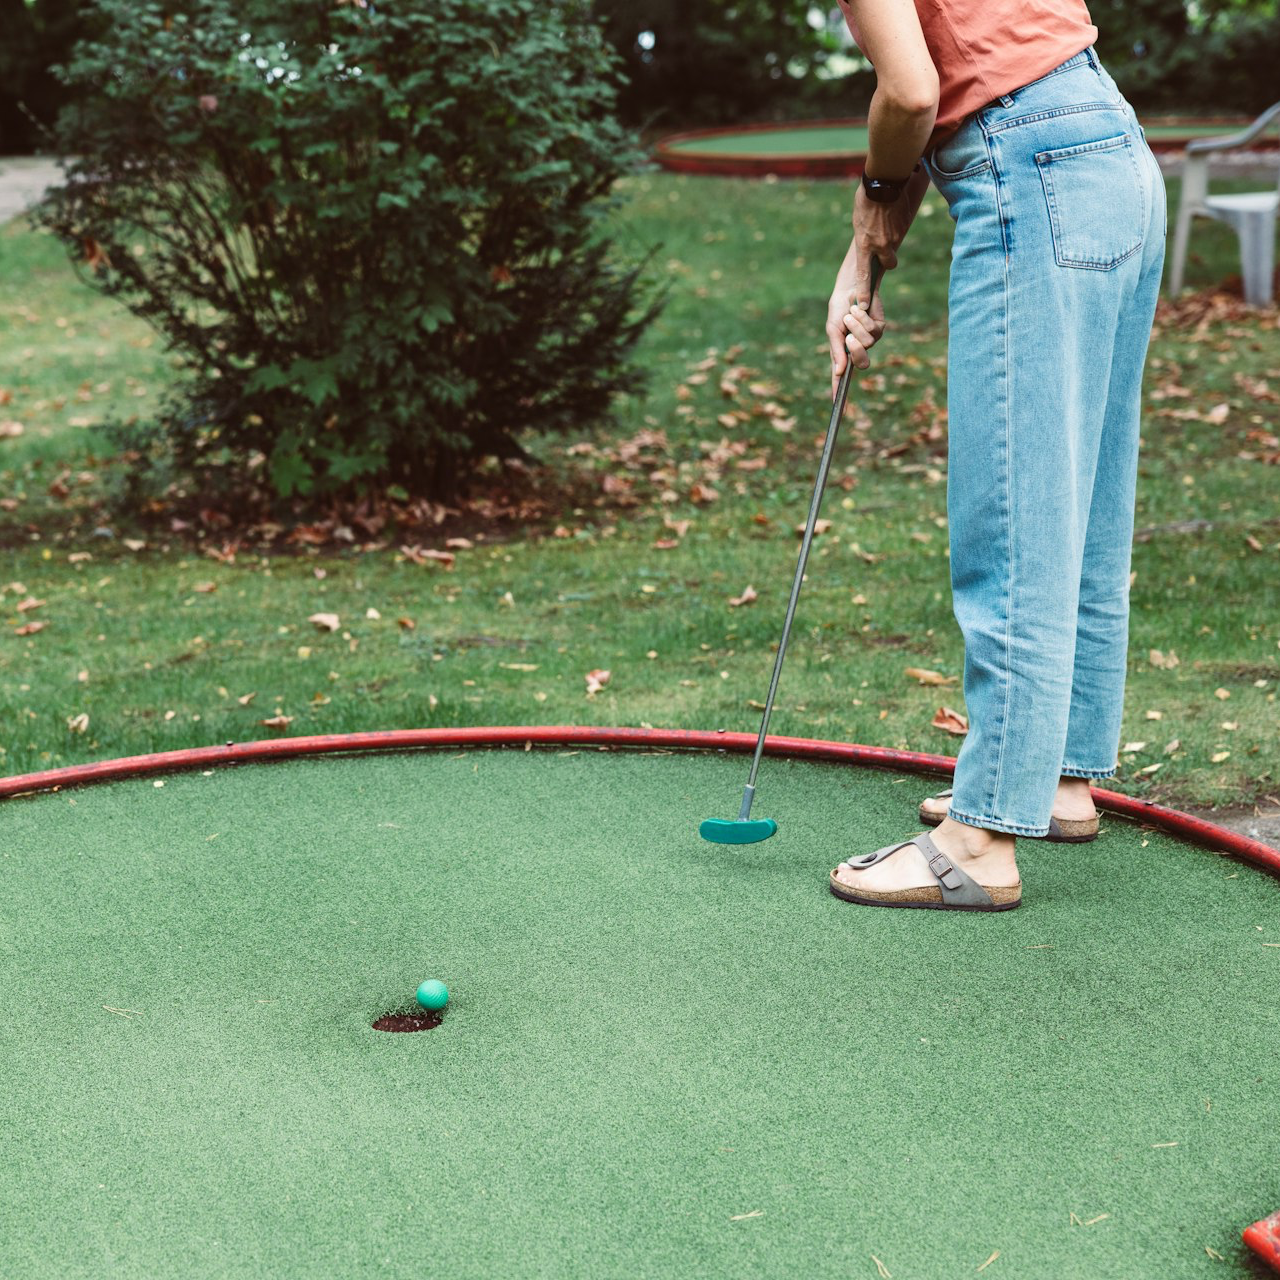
(885, 190)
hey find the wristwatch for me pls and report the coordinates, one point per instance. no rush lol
(885, 190)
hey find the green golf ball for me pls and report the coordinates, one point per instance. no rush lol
(433, 994)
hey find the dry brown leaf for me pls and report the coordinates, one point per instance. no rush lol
(951, 721)
(924, 676)
(78, 724)
(247, 698)
(459, 544)
(325, 621)
(25, 606)
(29, 629)
(11, 430)
(747, 597)
(419, 555)
(277, 722)
(702, 493)
(819, 526)
(519, 666)
(665, 544)
(1166, 662)
(596, 680)
(205, 587)
(406, 624)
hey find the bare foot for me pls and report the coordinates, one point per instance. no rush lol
(1073, 802)
(985, 855)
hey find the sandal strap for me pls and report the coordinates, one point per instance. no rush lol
(955, 885)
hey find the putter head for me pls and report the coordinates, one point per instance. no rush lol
(737, 831)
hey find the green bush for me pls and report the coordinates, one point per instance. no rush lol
(373, 233)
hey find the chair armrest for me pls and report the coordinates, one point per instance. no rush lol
(1206, 146)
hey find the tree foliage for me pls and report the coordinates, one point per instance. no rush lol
(373, 234)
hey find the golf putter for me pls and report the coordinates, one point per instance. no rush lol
(744, 829)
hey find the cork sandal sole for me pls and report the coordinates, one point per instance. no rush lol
(928, 897)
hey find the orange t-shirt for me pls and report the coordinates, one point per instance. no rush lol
(983, 48)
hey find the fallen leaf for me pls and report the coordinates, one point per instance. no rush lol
(29, 629)
(951, 721)
(1133, 746)
(247, 698)
(420, 556)
(372, 614)
(1166, 662)
(665, 544)
(406, 624)
(747, 597)
(596, 680)
(1219, 756)
(11, 430)
(78, 724)
(702, 493)
(519, 666)
(1173, 746)
(25, 606)
(277, 722)
(927, 677)
(1222, 694)
(459, 544)
(325, 621)
(134, 544)
(205, 587)
(819, 526)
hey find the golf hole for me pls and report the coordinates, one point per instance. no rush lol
(411, 1020)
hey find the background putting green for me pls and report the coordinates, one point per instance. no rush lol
(812, 141)
(651, 1038)
(826, 140)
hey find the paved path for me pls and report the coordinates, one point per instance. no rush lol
(23, 180)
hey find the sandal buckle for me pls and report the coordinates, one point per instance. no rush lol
(942, 867)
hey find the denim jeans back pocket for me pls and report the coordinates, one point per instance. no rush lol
(1096, 202)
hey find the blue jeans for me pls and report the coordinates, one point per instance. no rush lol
(1060, 225)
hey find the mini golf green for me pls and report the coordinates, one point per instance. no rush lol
(838, 148)
(661, 1057)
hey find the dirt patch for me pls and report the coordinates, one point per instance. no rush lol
(408, 1020)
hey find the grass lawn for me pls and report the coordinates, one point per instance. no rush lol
(168, 640)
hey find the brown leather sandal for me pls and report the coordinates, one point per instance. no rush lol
(1061, 831)
(954, 891)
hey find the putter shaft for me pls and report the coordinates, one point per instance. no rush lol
(824, 467)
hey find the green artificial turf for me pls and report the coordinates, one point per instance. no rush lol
(821, 139)
(662, 1057)
(813, 140)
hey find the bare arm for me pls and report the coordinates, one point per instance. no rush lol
(903, 110)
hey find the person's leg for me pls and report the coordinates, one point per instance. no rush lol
(1102, 628)
(1051, 215)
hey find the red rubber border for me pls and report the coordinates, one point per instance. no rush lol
(848, 164)
(1264, 1239)
(1171, 820)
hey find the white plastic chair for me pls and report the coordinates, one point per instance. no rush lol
(1252, 215)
